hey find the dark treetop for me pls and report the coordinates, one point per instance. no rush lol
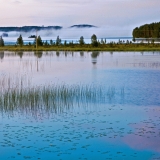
(82, 26)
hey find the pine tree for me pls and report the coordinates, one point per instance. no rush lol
(58, 41)
(94, 41)
(105, 41)
(20, 41)
(81, 41)
(46, 43)
(65, 43)
(1, 42)
(39, 41)
(51, 42)
(102, 41)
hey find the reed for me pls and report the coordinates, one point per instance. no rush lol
(20, 96)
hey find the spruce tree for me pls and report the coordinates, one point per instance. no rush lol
(102, 41)
(39, 41)
(81, 41)
(65, 43)
(20, 41)
(58, 41)
(1, 42)
(94, 41)
(51, 42)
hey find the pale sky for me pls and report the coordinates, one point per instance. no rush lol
(110, 15)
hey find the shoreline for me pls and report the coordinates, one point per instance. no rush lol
(89, 48)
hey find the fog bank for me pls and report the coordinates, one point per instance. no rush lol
(75, 33)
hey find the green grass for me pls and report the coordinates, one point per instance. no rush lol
(87, 47)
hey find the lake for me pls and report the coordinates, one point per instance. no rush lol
(80, 105)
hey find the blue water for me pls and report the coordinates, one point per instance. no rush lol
(124, 126)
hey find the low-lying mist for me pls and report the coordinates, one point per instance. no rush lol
(72, 33)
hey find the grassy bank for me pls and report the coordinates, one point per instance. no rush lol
(87, 47)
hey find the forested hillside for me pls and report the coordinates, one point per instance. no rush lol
(147, 31)
(28, 28)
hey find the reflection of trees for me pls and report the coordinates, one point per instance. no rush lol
(65, 54)
(38, 54)
(81, 53)
(57, 53)
(1, 54)
(20, 54)
(94, 56)
(111, 53)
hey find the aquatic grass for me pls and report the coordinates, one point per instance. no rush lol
(55, 98)
(17, 94)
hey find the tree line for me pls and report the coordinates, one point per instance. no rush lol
(39, 42)
(80, 43)
(58, 42)
(147, 31)
(28, 28)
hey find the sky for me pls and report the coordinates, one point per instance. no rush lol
(112, 17)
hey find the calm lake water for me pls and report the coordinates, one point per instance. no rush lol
(121, 122)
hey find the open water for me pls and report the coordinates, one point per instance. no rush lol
(122, 125)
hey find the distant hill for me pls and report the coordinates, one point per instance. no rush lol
(38, 28)
(28, 28)
(82, 26)
(147, 31)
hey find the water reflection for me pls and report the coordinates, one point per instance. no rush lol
(94, 56)
(18, 94)
(81, 53)
(146, 132)
(111, 53)
(82, 108)
(1, 54)
(38, 54)
(147, 65)
(19, 53)
(128, 59)
(57, 53)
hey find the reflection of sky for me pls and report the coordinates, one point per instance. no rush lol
(146, 132)
(91, 132)
(118, 70)
(125, 128)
